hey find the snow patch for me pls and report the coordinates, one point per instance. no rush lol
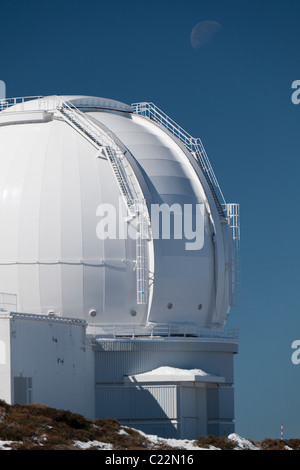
(183, 444)
(242, 443)
(165, 370)
(5, 445)
(89, 444)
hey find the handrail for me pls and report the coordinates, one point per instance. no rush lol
(8, 301)
(169, 330)
(124, 174)
(193, 144)
(8, 102)
(233, 212)
(101, 139)
(196, 148)
(104, 142)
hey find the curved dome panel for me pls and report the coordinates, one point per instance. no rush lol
(184, 278)
(51, 183)
(53, 179)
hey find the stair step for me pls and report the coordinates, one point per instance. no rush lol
(126, 187)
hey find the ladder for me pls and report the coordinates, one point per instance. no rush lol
(119, 170)
(198, 155)
(195, 147)
(102, 141)
(141, 252)
(127, 183)
(233, 213)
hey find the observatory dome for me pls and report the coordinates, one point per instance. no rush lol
(81, 181)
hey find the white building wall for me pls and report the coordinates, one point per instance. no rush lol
(5, 359)
(168, 407)
(184, 277)
(53, 182)
(193, 411)
(51, 363)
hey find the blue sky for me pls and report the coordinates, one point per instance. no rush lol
(235, 93)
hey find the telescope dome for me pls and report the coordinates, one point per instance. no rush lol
(107, 216)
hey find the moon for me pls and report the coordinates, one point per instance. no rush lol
(203, 32)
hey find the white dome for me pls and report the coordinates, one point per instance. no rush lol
(53, 181)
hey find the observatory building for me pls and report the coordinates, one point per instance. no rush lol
(119, 262)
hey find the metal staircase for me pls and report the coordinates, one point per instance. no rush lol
(102, 141)
(233, 213)
(127, 183)
(228, 211)
(141, 253)
(195, 147)
(122, 178)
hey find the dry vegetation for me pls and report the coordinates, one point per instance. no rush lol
(31, 427)
(38, 427)
(216, 441)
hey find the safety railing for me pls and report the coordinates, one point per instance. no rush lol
(127, 183)
(167, 330)
(8, 301)
(230, 211)
(233, 214)
(121, 168)
(6, 103)
(125, 177)
(194, 145)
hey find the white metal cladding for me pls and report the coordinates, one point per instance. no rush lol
(220, 402)
(212, 403)
(51, 183)
(194, 145)
(116, 359)
(46, 360)
(220, 428)
(186, 278)
(130, 402)
(226, 402)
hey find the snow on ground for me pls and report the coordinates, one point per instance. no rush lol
(184, 444)
(241, 442)
(88, 445)
(5, 445)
